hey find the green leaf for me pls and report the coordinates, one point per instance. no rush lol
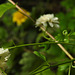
(4, 7)
(3, 33)
(63, 67)
(73, 66)
(40, 55)
(73, 33)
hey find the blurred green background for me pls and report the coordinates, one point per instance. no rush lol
(22, 60)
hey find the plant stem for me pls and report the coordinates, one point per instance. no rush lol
(54, 66)
(63, 49)
(32, 44)
(20, 9)
(70, 68)
(37, 69)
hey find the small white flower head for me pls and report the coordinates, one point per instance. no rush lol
(4, 55)
(3, 51)
(48, 18)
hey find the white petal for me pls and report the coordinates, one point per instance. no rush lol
(45, 24)
(2, 51)
(51, 24)
(55, 18)
(6, 58)
(55, 21)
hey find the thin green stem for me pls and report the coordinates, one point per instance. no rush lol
(39, 44)
(47, 63)
(70, 68)
(54, 66)
(37, 69)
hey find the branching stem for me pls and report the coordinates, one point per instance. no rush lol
(69, 61)
(33, 44)
(63, 49)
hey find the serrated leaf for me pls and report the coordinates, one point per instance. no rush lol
(4, 7)
(40, 55)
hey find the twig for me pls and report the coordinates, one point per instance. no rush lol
(20, 9)
(53, 66)
(33, 44)
(63, 49)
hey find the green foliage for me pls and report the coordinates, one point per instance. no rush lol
(2, 72)
(73, 33)
(46, 72)
(40, 55)
(3, 33)
(68, 4)
(26, 60)
(4, 7)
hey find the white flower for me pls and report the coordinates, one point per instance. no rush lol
(52, 21)
(4, 55)
(2, 51)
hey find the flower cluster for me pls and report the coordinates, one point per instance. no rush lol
(4, 55)
(48, 18)
(19, 18)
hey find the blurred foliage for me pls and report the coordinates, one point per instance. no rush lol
(23, 60)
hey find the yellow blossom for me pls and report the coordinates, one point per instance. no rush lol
(19, 18)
